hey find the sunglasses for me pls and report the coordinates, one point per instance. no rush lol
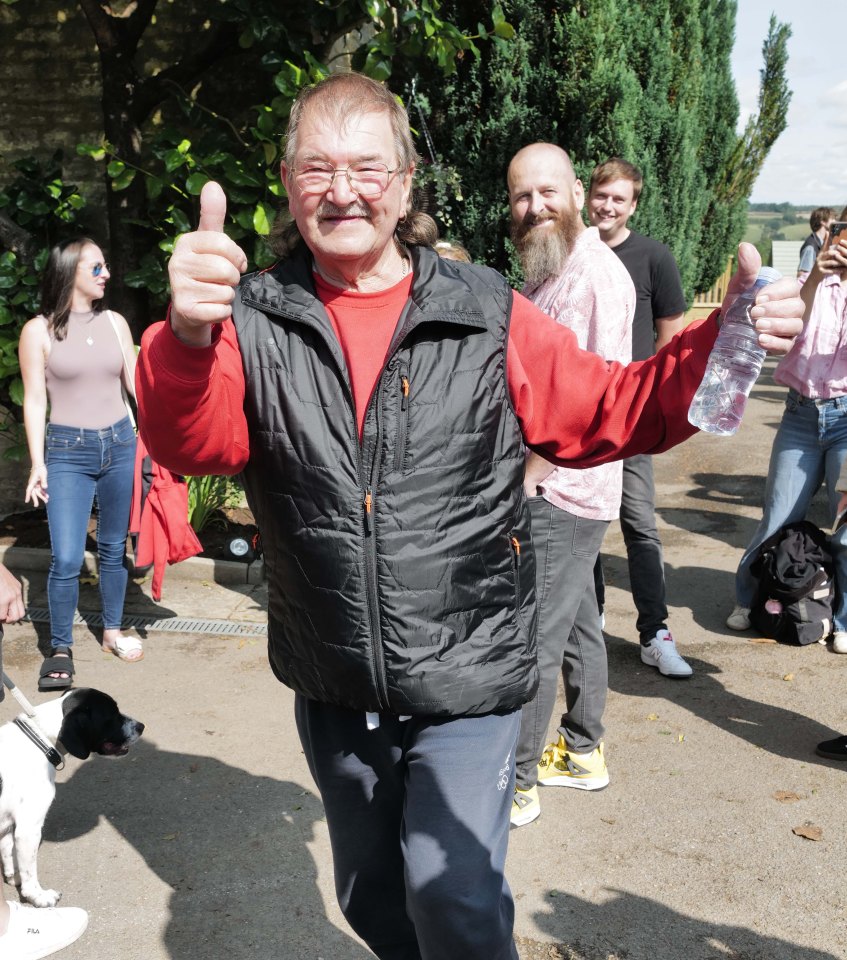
(98, 268)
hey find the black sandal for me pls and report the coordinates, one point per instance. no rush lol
(57, 664)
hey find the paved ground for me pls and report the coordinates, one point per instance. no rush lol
(209, 842)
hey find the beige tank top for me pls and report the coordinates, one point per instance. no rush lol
(84, 374)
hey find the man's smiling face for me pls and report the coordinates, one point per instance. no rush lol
(338, 224)
(610, 205)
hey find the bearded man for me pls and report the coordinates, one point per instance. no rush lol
(576, 279)
(378, 401)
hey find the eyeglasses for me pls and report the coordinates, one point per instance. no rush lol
(98, 268)
(367, 179)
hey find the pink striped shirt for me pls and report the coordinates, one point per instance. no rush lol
(594, 296)
(816, 366)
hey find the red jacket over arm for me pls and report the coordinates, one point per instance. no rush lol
(574, 408)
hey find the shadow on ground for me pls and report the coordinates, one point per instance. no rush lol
(629, 927)
(232, 847)
(778, 730)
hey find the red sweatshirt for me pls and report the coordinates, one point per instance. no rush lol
(574, 408)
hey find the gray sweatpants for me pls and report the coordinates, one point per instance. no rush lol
(418, 816)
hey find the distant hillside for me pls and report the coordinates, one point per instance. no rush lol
(767, 222)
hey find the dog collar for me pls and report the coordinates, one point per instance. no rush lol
(43, 744)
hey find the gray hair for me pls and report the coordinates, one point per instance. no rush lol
(338, 98)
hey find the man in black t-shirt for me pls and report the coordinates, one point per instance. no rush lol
(659, 314)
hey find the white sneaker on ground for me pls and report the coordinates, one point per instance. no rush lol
(739, 619)
(39, 932)
(839, 641)
(662, 654)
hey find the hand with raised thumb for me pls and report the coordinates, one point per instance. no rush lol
(778, 311)
(204, 269)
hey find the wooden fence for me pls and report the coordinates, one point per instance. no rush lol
(705, 303)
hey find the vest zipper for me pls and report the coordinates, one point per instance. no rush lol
(403, 424)
(370, 462)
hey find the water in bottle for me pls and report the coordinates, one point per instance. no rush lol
(734, 364)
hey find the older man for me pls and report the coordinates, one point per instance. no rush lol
(576, 279)
(378, 400)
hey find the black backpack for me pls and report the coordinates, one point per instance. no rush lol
(795, 593)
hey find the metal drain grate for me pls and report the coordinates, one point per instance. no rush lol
(229, 628)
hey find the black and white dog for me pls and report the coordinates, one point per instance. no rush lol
(83, 722)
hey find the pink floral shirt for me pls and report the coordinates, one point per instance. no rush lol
(594, 296)
(816, 366)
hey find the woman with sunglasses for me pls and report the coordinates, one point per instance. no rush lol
(74, 358)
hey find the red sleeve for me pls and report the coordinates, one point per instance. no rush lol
(578, 410)
(191, 402)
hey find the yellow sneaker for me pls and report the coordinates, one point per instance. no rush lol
(526, 807)
(560, 767)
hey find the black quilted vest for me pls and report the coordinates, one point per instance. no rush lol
(400, 570)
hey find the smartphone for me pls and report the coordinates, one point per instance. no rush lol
(836, 229)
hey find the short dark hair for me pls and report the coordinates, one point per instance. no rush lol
(57, 283)
(819, 217)
(615, 168)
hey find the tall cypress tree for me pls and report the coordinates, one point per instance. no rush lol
(648, 80)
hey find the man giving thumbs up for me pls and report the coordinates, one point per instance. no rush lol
(379, 401)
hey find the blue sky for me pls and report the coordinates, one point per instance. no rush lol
(808, 163)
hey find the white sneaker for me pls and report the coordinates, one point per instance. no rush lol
(37, 932)
(739, 619)
(839, 641)
(662, 654)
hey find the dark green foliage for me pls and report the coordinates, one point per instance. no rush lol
(36, 210)
(648, 80)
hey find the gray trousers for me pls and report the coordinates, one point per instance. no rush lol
(569, 636)
(418, 817)
(643, 546)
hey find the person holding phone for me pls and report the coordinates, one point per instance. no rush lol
(820, 220)
(810, 446)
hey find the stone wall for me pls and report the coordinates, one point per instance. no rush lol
(49, 88)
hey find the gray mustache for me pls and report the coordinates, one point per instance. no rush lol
(329, 209)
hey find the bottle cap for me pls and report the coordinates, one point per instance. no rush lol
(767, 275)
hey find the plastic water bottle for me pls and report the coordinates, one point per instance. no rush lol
(734, 364)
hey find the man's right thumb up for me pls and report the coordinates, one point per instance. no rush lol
(212, 207)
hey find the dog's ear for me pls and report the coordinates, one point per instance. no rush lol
(82, 722)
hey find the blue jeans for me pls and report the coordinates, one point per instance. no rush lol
(810, 446)
(82, 464)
